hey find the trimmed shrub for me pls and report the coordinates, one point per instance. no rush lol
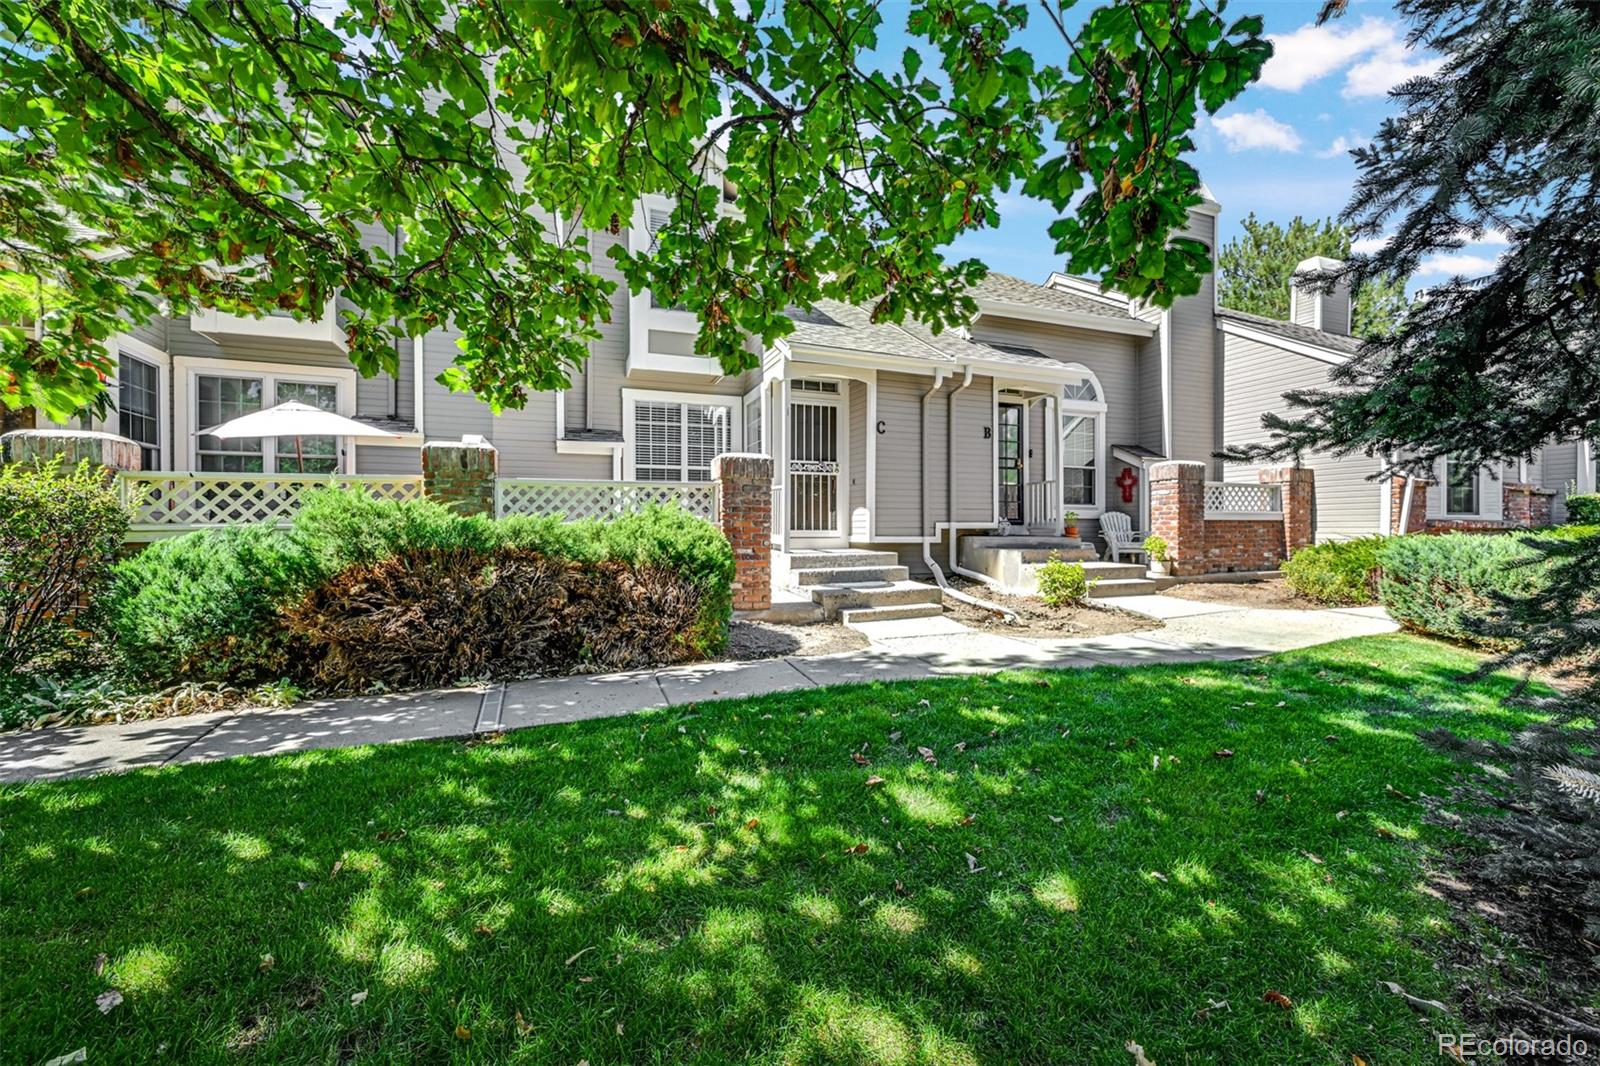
(203, 606)
(1342, 572)
(337, 528)
(1448, 584)
(1583, 509)
(59, 535)
(1062, 584)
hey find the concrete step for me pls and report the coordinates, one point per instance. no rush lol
(837, 598)
(847, 575)
(855, 615)
(1113, 571)
(1066, 555)
(1106, 590)
(821, 558)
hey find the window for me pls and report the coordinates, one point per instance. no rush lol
(220, 399)
(676, 440)
(829, 387)
(138, 407)
(1461, 487)
(1077, 460)
(752, 422)
(308, 455)
(1083, 413)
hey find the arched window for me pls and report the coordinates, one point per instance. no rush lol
(1083, 445)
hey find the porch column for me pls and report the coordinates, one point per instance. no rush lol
(1178, 513)
(744, 513)
(461, 474)
(1299, 488)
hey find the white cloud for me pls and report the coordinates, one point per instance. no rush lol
(1369, 245)
(1497, 237)
(1256, 129)
(1342, 146)
(1372, 52)
(1449, 266)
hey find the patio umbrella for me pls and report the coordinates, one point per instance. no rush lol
(294, 419)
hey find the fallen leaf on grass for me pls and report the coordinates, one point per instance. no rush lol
(337, 866)
(857, 849)
(968, 820)
(98, 967)
(463, 1033)
(860, 759)
(1331, 738)
(1222, 753)
(1313, 856)
(972, 863)
(1385, 832)
(83, 893)
(522, 1024)
(1272, 995)
(392, 834)
(1357, 1060)
(1416, 1002)
(1056, 818)
(574, 958)
(1395, 792)
(961, 746)
(482, 930)
(108, 1000)
(927, 754)
(267, 963)
(1211, 1005)
(752, 823)
(358, 998)
(896, 735)
(81, 1055)
(1159, 876)
(874, 780)
(1139, 1057)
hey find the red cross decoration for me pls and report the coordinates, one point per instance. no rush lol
(1126, 482)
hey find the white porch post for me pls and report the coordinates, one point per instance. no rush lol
(1052, 447)
(780, 466)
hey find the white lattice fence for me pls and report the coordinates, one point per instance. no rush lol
(1243, 499)
(173, 503)
(601, 499)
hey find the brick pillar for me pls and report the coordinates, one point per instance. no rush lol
(1524, 504)
(1418, 520)
(461, 474)
(106, 450)
(1540, 507)
(1299, 485)
(1178, 513)
(744, 511)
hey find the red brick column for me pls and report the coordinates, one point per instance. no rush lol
(105, 450)
(1299, 486)
(1178, 513)
(461, 474)
(744, 511)
(1525, 505)
(1418, 520)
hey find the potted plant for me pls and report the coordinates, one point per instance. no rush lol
(1156, 548)
(1071, 521)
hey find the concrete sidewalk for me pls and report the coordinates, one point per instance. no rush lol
(900, 650)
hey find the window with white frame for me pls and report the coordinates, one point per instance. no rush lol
(752, 422)
(139, 407)
(676, 440)
(1461, 487)
(220, 398)
(1083, 413)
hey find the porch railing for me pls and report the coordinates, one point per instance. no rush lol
(1243, 500)
(1041, 504)
(170, 503)
(601, 499)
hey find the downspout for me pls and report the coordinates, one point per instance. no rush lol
(950, 526)
(1404, 524)
(922, 484)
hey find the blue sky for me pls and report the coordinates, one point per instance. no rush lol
(1279, 149)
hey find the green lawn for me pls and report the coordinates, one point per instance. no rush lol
(691, 886)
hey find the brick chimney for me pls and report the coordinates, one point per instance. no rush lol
(1314, 302)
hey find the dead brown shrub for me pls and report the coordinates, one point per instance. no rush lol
(433, 616)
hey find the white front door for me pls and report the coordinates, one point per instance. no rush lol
(814, 467)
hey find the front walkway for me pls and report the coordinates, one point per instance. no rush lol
(901, 649)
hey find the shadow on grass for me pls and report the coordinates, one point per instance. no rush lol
(1075, 866)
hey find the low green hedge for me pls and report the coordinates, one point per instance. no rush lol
(212, 605)
(1340, 573)
(1583, 509)
(1446, 584)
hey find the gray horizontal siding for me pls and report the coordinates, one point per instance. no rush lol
(1558, 470)
(387, 459)
(1255, 377)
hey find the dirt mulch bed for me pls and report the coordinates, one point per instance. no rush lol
(1036, 619)
(1270, 593)
(748, 641)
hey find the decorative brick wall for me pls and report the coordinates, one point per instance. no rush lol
(1525, 505)
(1418, 520)
(461, 474)
(1198, 545)
(744, 511)
(106, 450)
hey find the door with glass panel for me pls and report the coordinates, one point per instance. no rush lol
(1008, 449)
(813, 462)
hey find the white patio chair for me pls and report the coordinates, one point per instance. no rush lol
(1116, 529)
